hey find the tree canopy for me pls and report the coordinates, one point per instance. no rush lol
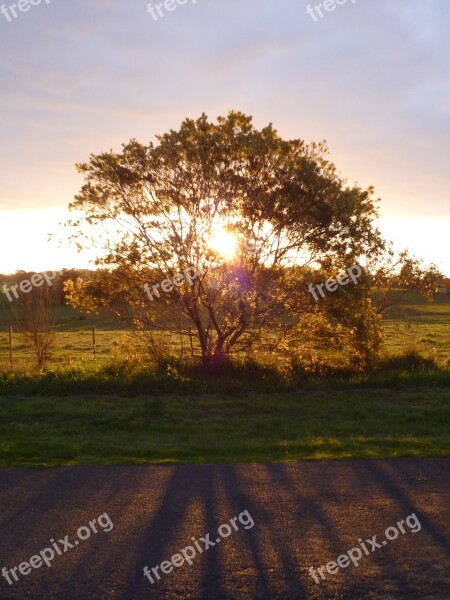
(291, 215)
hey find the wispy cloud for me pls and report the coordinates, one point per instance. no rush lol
(372, 78)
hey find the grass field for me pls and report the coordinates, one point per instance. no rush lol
(421, 326)
(221, 429)
(92, 414)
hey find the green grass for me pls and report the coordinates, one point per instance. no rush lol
(420, 326)
(79, 412)
(49, 431)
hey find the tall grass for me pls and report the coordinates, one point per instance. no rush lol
(256, 374)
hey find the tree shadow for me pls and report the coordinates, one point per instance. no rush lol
(157, 510)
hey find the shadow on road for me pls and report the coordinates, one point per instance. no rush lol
(305, 514)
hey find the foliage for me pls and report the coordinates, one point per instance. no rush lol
(32, 317)
(393, 272)
(164, 201)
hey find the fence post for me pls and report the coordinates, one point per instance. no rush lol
(190, 338)
(10, 347)
(181, 345)
(93, 343)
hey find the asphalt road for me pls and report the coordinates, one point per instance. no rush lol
(304, 514)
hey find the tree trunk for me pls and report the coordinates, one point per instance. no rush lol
(215, 362)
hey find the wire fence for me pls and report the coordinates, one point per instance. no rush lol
(17, 350)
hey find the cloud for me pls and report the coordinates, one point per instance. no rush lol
(371, 77)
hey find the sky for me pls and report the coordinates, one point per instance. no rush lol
(372, 78)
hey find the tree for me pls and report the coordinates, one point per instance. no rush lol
(164, 201)
(395, 274)
(32, 315)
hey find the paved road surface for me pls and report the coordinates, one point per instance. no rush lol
(304, 514)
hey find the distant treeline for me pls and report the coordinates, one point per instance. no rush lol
(59, 297)
(58, 294)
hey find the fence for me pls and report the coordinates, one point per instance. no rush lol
(16, 350)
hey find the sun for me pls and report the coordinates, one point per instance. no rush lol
(223, 242)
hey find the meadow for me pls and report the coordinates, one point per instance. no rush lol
(418, 326)
(81, 412)
(222, 428)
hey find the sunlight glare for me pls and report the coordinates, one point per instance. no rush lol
(223, 242)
